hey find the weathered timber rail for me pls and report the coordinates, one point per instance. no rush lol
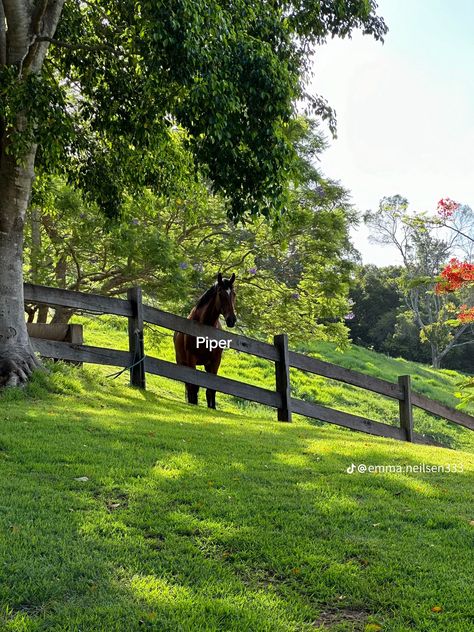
(139, 364)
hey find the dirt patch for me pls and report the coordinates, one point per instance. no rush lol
(334, 616)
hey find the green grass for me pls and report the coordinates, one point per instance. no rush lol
(196, 520)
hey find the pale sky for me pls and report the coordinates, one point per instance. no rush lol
(405, 110)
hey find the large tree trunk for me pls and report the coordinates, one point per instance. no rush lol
(17, 359)
(435, 357)
(23, 26)
(62, 316)
(43, 311)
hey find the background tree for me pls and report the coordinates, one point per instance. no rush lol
(376, 298)
(425, 250)
(293, 271)
(70, 244)
(459, 275)
(458, 219)
(381, 320)
(97, 99)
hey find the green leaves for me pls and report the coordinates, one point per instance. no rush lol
(466, 395)
(228, 73)
(33, 108)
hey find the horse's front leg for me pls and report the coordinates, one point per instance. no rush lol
(211, 398)
(183, 358)
(213, 367)
(191, 389)
(192, 393)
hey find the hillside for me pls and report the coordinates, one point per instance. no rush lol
(123, 510)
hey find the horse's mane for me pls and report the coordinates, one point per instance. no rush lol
(207, 296)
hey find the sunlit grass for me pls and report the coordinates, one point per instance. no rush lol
(218, 520)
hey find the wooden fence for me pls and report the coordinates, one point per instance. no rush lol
(140, 364)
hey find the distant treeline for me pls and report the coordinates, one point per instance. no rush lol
(383, 321)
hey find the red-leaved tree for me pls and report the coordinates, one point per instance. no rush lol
(458, 276)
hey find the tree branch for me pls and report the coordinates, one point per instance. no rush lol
(42, 24)
(278, 289)
(461, 344)
(238, 263)
(3, 37)
(456, 336)
(209, 236)
(87, 47)
(459, 232)
(186, 232)
(35, 28)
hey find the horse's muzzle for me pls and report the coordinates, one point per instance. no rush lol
(230, 321)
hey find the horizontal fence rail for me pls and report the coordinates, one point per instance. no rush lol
(339, 373)
(55, 297)
(155, 366)
(82, 353)
(441, 410)
(139, 365)
(215, 382)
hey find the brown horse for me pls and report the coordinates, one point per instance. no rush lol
(216, 301)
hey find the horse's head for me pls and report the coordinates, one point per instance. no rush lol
(226, 298)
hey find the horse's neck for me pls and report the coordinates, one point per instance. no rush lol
(206, 315)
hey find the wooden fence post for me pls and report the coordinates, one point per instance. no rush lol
(135, 338)
(75, 336)
(406, 407)
(282, 377)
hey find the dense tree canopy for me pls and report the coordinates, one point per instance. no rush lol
(95, 90)
(292, 273)
(376, 300)
(120, 75)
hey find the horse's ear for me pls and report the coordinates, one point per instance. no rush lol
(219, 279)
(232, 278)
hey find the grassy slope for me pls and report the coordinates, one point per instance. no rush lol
(221, 520)
(439, 385)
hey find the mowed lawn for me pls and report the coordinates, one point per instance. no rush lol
(122, 510)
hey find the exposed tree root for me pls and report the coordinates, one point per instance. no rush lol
(17, 367)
